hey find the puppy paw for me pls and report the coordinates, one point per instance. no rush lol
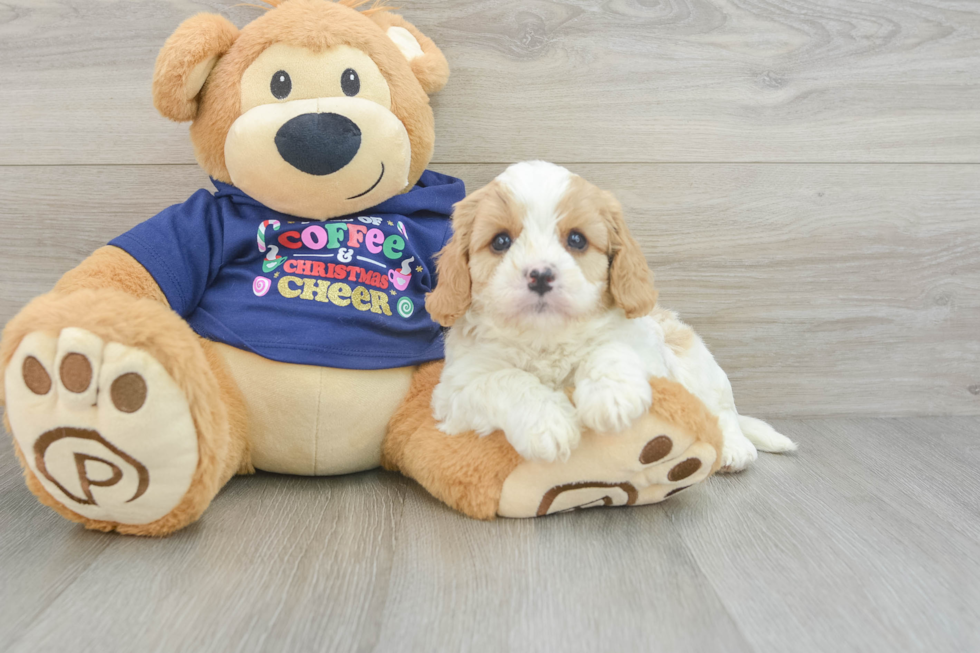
(611, 405)
(548, 434)
(654, 459)
(737, 453)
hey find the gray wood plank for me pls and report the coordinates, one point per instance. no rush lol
(601, 581)
(690, 80)
(370, 562)
(41, 554)
(278, 563)
(822, 289)
(847, 546)
(937, 469)
(835, 549)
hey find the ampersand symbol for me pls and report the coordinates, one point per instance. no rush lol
(345, 255)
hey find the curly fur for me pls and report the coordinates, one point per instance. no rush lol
(466, 472)
(513, 350)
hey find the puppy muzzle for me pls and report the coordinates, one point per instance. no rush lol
(540, 280)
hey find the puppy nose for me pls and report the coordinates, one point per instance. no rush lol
(318, 143)
(540, 280)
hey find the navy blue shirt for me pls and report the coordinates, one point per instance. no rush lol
(347, 292)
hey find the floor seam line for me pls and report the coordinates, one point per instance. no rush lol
(710, 581)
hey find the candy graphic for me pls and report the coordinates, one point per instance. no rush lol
(260, 286)
(405, 307)
(261, 235)
(401, 230)
(272, 259)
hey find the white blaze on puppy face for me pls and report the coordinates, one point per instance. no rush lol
(545, 203)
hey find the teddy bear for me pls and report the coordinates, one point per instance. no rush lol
(278, 323)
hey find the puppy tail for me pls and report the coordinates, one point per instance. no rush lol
(763, 436)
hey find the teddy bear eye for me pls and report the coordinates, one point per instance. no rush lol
(500, 242)
(281, 85)
(577, 241)
(350, 83)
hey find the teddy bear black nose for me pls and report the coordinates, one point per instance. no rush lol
(318, 143)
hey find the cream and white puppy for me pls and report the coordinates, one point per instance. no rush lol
(545, 289)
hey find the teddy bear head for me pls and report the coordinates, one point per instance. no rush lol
(315, 109)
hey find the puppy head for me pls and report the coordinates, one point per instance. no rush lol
(539, 247)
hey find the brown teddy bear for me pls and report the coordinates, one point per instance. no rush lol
(279, 322)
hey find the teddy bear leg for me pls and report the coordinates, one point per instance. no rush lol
(466, 472)
(676, 445)
(122, 417)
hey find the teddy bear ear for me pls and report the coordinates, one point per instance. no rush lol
(425, 58)
(185, 62)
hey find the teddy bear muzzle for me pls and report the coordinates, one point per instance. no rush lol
(319, 158)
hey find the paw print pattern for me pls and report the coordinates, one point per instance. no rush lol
(103, 427)
(592, 494)
(647, 463)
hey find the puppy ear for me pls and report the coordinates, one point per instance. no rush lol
(630, 278)
(451, 297)
(427, 61)
(185, 62)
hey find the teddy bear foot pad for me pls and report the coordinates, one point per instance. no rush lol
(651, 461)
(102, 426)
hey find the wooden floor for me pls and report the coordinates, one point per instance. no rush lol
(804, 176)
(867, 540)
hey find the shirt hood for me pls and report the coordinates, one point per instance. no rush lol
(434, 193)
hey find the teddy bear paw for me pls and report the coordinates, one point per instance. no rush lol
(649, 462)
(102, 426)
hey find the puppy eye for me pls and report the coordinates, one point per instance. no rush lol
(500, 242)
(577, 241)
(350, 83)
(281, 85)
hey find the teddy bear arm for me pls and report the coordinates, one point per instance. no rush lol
(112, 268)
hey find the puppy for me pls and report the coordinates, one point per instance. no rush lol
(545, 289)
